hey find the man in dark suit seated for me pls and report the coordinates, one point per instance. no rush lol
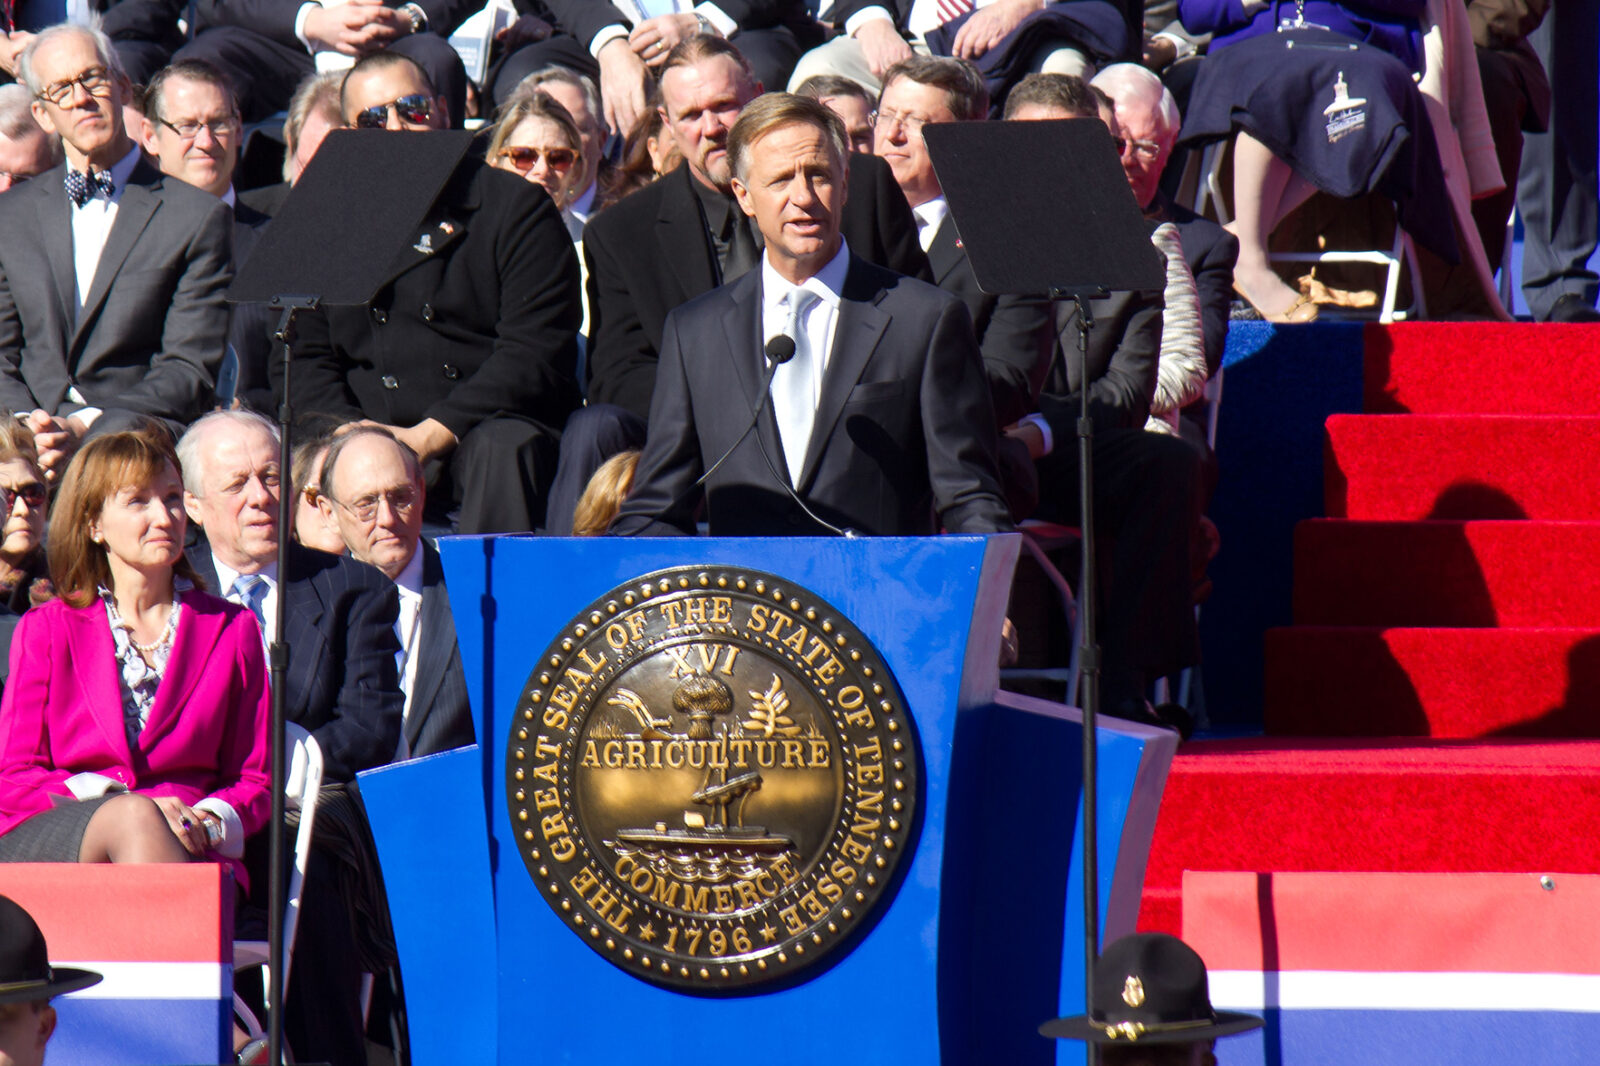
(372, 487)
(681, 236)
(342, 687)
(881, 421)
(468, 351)
(111, 275)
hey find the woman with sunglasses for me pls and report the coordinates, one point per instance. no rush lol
(537, 138)
(133, 727)
(24, 577)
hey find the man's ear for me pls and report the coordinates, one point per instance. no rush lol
(741, 193)
(191, 507)
(42, 117)
(441, 108)
(47, 1025)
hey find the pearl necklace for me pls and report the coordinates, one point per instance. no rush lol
(162, 645)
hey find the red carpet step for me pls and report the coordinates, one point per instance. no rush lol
(1410, 467)
(1373, 805)
(1450, 574)
(1482, 368)
(1460, 683)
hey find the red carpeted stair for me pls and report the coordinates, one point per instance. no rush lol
(1446, 638)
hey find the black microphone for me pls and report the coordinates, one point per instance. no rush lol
(779, 350)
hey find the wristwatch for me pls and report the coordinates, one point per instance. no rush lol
(419, 17)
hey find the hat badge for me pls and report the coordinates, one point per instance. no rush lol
(1133, 991)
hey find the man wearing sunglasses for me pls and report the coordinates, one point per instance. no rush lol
(111, 274)
(468, 352)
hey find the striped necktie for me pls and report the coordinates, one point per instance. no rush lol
(250, 590)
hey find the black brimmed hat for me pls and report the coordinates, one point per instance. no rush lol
(25, 971)
(1150, 988)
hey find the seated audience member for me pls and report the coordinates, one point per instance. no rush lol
(178, 766)
(126, 319)
(849, 100)
(468, 354)
(1015, 333)
(648, 153)
(1329, 107)
(26, 150)
(683, 236)
(342, 685)
(27, 984)
(770, 34)
(313, 113)
(1147, 123)
(536, 137)
(1005, 39)
(581, 99)
(311, 526)
(1181, 364)
(603, 498)
(24, 573)
(895, 353)
(372, 487)
(266, 47)
(143, 32)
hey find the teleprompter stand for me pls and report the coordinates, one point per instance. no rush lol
(1044, 207)
(332, 244)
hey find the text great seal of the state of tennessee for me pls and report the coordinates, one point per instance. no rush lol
(713, 778)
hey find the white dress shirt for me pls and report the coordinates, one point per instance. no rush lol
(820, 324)
(408, 627)
(930, 216)
(91, 224)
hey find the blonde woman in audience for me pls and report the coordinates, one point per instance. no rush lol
(24, 576)
(134, 722)
(311, 527)
(604, 495)
(537, 138)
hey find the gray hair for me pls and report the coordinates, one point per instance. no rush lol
(102, 50)
(343, 441)
(1137, 85)
(16, 114)
(545, 75)
(190, 457)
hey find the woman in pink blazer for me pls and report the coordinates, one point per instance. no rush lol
(134, 723)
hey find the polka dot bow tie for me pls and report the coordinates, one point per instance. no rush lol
(80, 187)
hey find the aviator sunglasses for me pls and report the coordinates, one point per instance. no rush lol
(524, 158)
(416, 109)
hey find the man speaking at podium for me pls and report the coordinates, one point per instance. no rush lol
(819, 394)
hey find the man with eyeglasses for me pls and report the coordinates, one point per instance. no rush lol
(372, 488)
(342, 687)
(111, 274)
(468, 352)
(26, 150)
(1148, 122)
(1014, 332)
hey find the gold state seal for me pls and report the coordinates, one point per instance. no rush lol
(713, 779)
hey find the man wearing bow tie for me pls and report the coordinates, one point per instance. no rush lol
(111, 275)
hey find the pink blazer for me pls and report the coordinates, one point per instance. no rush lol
(207, 734)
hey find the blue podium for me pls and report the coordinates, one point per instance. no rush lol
(512, 951)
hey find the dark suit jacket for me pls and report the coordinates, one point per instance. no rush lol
(650, 252)
(441, 717)
(904, 438)
(486, 323)
(250, 325)
(1124, 347)
(585, 18)
(149, 337)
(275, 18)
(1016, 334)
(1211, 252)
(343, 687)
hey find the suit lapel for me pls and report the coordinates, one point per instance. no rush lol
(134, 211)
(303, 612)
(437, 640)
(682, 238)
(743, 330)
(199, 628)
(430, 239)
(945, 254)
(94, 660)
(55, 230)
(861, 326)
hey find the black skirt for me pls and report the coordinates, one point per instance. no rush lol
(1345, 116)
(55, 835)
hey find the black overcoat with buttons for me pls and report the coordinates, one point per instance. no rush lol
(478, 317)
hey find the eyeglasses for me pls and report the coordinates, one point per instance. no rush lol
(96, 81)
(218, 128)
(910, 123)
(416, 109)
(524, 158)
(365, 508)
(32, 494)
(1149, 151)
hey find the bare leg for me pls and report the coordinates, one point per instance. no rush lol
(130, 828)
(1264, 191)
